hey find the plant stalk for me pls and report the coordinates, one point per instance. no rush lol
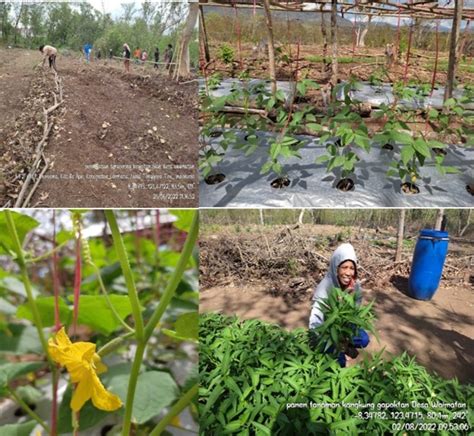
(127, 272)
(175, 278)
(132, 384)
(28, 410)
(115, 343)
(20, 260)
(177, 408)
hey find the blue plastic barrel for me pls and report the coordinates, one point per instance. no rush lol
(427, 264)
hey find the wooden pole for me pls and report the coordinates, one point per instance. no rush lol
(401, 227)
(453, 54)
(204, 38)
(334, 43)
(439, 219)
(271, 46)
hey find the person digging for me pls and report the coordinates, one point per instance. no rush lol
(49, 52)
(342, 274)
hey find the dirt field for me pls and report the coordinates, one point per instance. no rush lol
(118, 140)
(274, 282)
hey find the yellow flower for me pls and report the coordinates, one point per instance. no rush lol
(83, 365)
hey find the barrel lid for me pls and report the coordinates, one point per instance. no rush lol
(433, 233)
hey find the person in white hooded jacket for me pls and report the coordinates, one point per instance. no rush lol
(342, 274)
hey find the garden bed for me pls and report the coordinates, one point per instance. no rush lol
(311, 186)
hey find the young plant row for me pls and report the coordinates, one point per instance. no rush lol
(253, 373)
(340, 127)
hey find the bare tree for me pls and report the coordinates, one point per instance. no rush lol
(301, 215)
(401, 229)
(468, 222)
(183, 68)
(453, 52)
(262, 221)
(19, 9)
(439, 219)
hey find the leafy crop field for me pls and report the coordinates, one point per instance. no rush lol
(98, 322)
(257, 378)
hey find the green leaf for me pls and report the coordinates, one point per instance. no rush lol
(155, 391)
(45, 307)
(20, 339)
(6, 307)
(185, 218)
(401, 137)
(108, 274)
(23, 223)
(95, 313)
(421, 147)
(64, 236)
(187, 325)
(314, 127)
(11, 371)
(407, 153)
(24, 429)
(12, 284)
(323, 158)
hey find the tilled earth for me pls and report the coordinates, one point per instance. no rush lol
(118, 140)
(270, 274)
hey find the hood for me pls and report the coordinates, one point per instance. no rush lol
(342, 253)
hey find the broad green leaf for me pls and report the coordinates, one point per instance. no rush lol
(45, 307)
(185, 218)
(407, 153)
(6, 307)
(421, 147)
(187, 326)
(63, 236)
(24, 429)
(11, 371)
(108, 274)
(23, 223)
(20, 339)
(155, 391)
(95, 313)
(314, 127)
(12, 284)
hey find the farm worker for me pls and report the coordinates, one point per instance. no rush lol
(126, 56)
(49, 52)
(111, 53)
(157, 57)
(87, 51)
(144, 56)
(137, 55)
(168, 56)
(342, 274)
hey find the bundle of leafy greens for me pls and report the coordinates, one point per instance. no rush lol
(343, 317)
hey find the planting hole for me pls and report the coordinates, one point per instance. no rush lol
(215, 133)
(214, 179)
(280, 183)
(470, 189)
(440, 151)
(345, 185)
(410, 188)
(387, 147)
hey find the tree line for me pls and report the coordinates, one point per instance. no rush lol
(71, 25)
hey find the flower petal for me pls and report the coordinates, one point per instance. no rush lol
(61, 338)
(99, 366)
(102, 398)
(83, 391)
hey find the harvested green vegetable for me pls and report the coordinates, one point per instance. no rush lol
(256, 379)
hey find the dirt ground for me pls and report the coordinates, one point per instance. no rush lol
(440, 332)
(119, 140)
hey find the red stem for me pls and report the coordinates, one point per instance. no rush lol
(56, 283)
(398, 32)
(77, 281)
